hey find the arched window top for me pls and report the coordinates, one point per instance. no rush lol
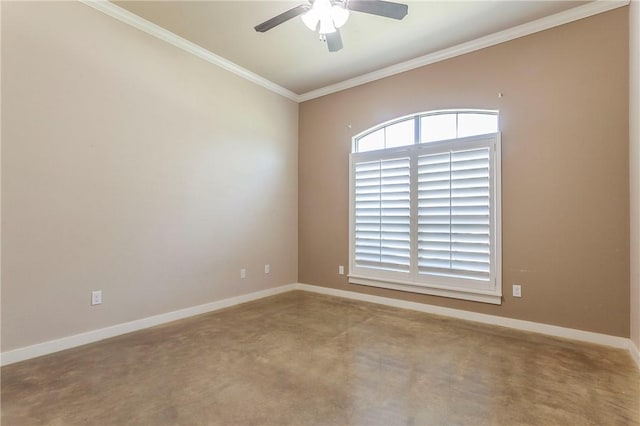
(427, 127)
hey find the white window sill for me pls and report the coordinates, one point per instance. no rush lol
(484, 296)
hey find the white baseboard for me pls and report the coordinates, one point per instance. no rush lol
(28, 352)
(550, 330)
(52, 346)
(635, 353)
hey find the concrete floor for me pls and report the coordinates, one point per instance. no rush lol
(301, 358)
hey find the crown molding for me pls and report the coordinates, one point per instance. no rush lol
(157, 31)
(561, 18)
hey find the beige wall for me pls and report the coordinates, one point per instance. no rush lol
(564, 121)
(132, 167)
(129, 166)
(634, 156)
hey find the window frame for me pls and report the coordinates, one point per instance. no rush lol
(459, 288)
(418, 126)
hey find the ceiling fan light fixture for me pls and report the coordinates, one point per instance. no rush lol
(327, 16)
(311, 19)
(326, 25)
(330, 17)
(340, 15)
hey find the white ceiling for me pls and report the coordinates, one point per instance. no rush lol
(293, 57)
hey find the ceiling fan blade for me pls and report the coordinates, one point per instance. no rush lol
(379, 7)
(283, 17)
(334, 41)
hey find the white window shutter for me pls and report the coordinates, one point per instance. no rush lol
(382, 214)
(426, 217)
(454, 208)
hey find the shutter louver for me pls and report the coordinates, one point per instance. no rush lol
(382, 214)
(454, 214)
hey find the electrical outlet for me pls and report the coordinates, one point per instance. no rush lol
(243, 273)
(517, 290)
(341, 270)
(267, 268)
(96, 297)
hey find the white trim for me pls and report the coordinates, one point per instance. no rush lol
(497, 214)
(52, 346)
(45, 348)
(142, 24)
(635, 353)
(550, 330)
(418, 287)
(561, 18)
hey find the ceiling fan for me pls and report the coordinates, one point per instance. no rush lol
(327, 16)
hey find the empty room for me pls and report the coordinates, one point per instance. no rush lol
(327, 212)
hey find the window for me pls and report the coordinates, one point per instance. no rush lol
(425, 205)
